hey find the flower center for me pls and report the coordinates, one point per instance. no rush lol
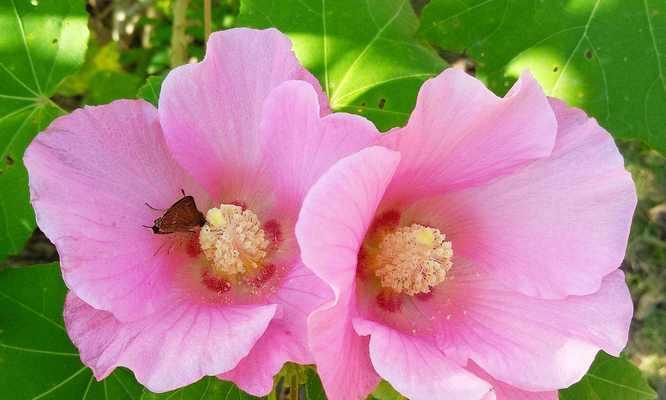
(412, 259)
(233, 240)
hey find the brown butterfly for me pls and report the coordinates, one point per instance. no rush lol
(182, 216)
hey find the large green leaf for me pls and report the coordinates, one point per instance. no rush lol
(608, 57)
(37, 359)
(209, 388)
(41, 42)
(363, 52)
(610, 378)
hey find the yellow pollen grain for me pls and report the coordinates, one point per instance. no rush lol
(233, 240)
(413, 259)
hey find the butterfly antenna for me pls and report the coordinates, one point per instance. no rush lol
(153, 208)
(182, 191)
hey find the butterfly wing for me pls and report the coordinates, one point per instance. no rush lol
(182, 216)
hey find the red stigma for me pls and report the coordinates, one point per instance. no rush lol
(240, 204)
(273, 233)
(215, 284)
(389, 301)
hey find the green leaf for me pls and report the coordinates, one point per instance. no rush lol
(37, 359)
(150, 91)
(385, 391)
(42, 41)
(363, 53)
(607, 57)
(610, 378)
(209, 388)
(98, 58)
(109, 86)
(313, 387)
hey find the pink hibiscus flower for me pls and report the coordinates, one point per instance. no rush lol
(245, 133)
(473, 254)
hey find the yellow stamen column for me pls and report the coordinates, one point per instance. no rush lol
(233, 240)
(412, 259)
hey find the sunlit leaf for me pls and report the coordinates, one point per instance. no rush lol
(41, 42)
(98, 58)
(607, 57)
(37, 359)
(363, 52)
(610, 378)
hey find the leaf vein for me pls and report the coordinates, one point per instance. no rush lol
(623, 386)
(56, 387)
(365, 50)
(575, 49)
(25, 45)
(32, 310)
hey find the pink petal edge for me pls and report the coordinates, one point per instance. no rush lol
(461, 135)
(333, 220)
(211, 111)
(170, 349)
(416, 368)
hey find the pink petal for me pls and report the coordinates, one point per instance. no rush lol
(460, 134)
(300, 293)
(91, 173)
(554, 228)
(333, 220)
(502, 391)
(254, 373)
(337, 211)
(171, 348)
(342, 356)
(286, 336)
(416, 368)
(531, 343)
(211, 111)
(301, 145)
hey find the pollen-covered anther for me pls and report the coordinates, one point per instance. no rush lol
(232, 240)
(413, 259)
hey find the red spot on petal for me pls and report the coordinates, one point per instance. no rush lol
(387, 220)
(214, 283)
(362, 265)
(424, 296)
(193, 248)
(263, 276)
(389, 300)
(273, 233)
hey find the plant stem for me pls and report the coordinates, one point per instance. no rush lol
(207, 19)
(179, 39)
(293, 388)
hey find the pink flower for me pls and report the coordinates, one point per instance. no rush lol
(473, 254)
(245, 132)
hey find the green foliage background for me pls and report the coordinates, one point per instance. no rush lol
(371, 56)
